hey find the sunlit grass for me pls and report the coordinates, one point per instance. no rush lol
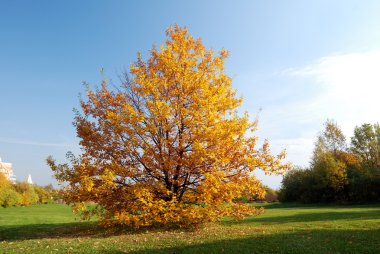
(281, 229)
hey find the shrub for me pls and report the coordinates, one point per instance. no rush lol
(28, 195)
(9, 197)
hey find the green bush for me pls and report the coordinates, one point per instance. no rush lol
(29, 197)
(22, 193)
(45, 194)
(9, 197)
(28, 194)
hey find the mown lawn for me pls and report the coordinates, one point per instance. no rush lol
(282, 229)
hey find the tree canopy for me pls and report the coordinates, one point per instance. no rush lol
(366, 144)
(338, 173)
(168, 146)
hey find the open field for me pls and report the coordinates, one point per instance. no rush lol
(282, 229)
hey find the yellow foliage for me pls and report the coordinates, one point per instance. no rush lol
(4, 182)
(168, 147)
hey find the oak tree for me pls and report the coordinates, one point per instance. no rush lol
(168, 146)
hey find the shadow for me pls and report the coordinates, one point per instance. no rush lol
(73, 230)
(278, 205)
(311, 216)
(93, 230)
(302, 241)
(37, 231)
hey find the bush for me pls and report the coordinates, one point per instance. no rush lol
(45, 194)
(271, 195)
(28, 195)
(363, 185)
(9, 197)
(22, 193)
(295, 186)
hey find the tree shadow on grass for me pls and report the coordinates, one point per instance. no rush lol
(310, 217)
(279, 205)
(36, 231)
(301, 241)
(71, 230)
(92, 229)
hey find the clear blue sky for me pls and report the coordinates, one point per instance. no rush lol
(300, 61)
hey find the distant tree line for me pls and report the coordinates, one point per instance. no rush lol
(338, 172)
(270, 195)
(24, 194)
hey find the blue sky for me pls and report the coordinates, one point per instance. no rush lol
(300, 61)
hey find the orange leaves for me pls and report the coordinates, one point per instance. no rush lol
(168, 146)
(86, 184)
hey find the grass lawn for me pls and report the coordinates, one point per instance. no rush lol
(282, 229)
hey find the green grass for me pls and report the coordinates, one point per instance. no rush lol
(284, 228)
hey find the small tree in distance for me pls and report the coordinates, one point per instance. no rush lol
(168, 146)
(338, 173)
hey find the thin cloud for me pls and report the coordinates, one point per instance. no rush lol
(346, 88)
(350, 85)
(299, 150)
(33, 143)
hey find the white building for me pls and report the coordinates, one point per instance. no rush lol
(29, 179)
(6, 169)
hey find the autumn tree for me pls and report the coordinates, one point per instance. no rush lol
(337, 173)
(326, 163)
(366, 144)
(326, 178)
(8, 196)
(331, 140)
(168, 146)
